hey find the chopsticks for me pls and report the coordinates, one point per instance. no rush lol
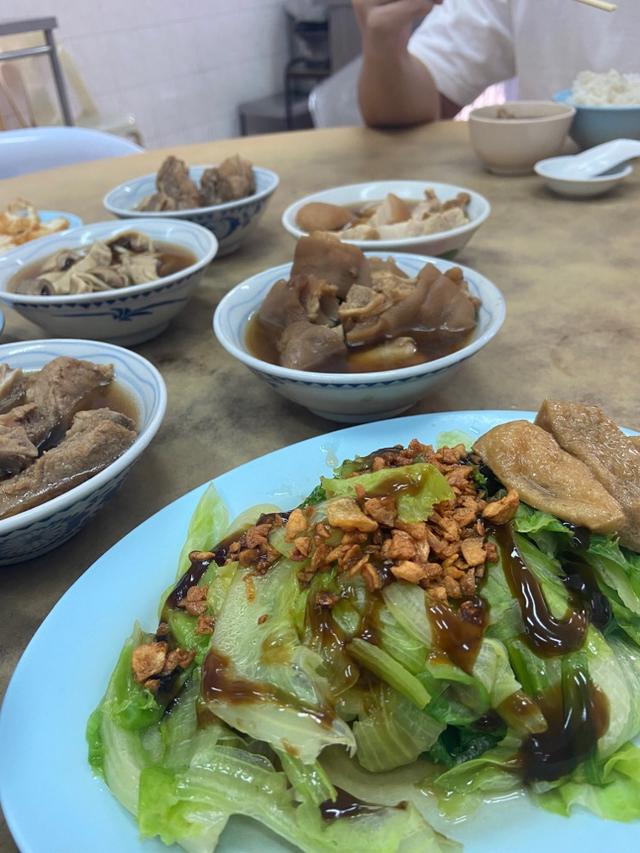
(600, 4)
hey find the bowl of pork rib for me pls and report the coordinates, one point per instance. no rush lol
(356, 336)
(75, 416)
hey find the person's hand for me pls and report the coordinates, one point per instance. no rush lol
(386, 22)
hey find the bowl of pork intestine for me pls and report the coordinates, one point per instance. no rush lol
(398, 215)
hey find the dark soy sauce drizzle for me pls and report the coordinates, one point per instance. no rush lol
(218, 684)
(458, 633)
(345, 805)
(577, 714)
(580, 536)
(581, 581)
(188, 579)
(323, 626)
(545, 633)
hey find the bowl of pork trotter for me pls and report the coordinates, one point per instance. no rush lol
(74, 417)
(354, 336)
(228, 199)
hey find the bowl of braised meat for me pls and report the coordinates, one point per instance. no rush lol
(108, 281)
(228, 199)
(402, 216)
(74, 417)
(355, 336)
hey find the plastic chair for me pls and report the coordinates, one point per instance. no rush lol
(24, 84)
(334, 102)
(35, 148)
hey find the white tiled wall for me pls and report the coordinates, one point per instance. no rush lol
(181, 66)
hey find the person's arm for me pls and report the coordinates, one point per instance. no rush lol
(395, 87)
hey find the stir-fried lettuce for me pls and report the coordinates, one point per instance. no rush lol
(291, 712)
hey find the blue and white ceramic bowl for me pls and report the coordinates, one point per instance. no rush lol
(38, 530)
(593, 125)
(127, 315)
(231, 222)
(354, 397)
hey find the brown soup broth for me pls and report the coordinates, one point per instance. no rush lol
(261, 341)
(117, 398)
(172, 259)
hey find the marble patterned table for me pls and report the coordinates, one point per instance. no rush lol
(568, 271)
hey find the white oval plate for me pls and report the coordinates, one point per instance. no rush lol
(431, 244)
(52, 802)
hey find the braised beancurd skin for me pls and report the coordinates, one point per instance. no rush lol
(342, 312)
(125, 260)
(613, 458)
(529, 460)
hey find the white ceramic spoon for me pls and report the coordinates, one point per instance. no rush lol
(595, 161)
(592, 172)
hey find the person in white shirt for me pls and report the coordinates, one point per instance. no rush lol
(463, 46)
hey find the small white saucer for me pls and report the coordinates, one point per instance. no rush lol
(552, 170)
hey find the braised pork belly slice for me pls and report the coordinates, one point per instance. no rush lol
(16, 450)
(96, 438)
(13, 387)
(53, 395)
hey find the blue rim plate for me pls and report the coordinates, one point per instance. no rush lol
(52, 802)
(73, 220)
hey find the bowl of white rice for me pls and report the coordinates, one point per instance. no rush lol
(607, 107)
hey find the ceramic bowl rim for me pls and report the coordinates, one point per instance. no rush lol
(478, 117)
(144, 438)
(563, 96)
(288, 217)
(127, 212)
(484, 285)
(11, 297)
